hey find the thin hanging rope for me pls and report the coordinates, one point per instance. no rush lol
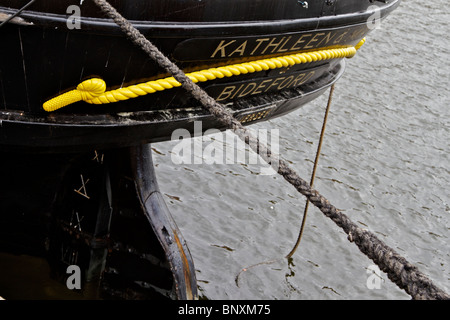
(398, 269)
(313, 175)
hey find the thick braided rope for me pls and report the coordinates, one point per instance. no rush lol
(400, 271)
(93, 90)
(221, 72)
(153, 86)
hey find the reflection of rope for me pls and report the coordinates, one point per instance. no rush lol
(90, 92)
(399, 270)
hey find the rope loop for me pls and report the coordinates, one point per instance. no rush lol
(86, 90)
(91, 88)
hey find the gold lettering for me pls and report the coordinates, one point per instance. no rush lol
(260, 41)
(226, 93)
(329, 36)
(260, 115)
(314, 39)
(245, 119)
(297, 79)
(299, 41)
(237, 91)
(285, 83)
(261, 86)
(309, 76)
(274, 83)
(240, 49)
(339, 39)
(221, 47)
(245, 92)
(282, 49)
(272, 44)
(252, 88)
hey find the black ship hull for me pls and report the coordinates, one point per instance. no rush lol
(47, 54)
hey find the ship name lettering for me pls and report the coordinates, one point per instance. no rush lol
(256, 87)
(240, 47)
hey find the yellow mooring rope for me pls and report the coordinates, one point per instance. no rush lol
(93, 90)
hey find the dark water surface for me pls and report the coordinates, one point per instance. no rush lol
(385, 163)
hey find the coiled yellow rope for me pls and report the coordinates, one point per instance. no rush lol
(93, 90)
